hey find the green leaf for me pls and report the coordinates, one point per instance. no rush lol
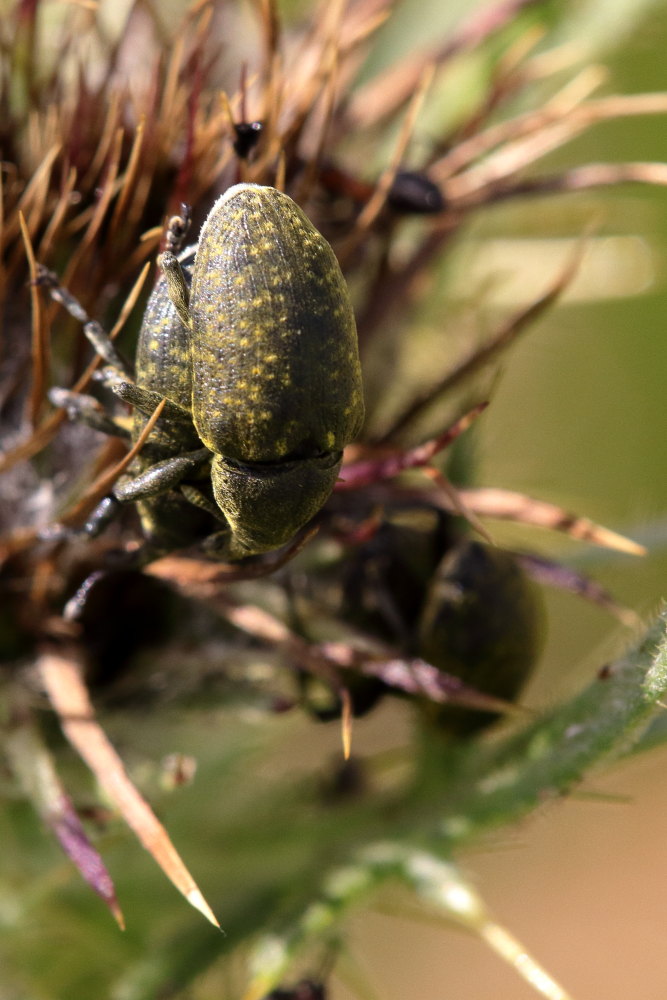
(553, 755)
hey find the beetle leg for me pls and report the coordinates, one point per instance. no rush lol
(96, 334)
(87, 409)
(199, 499)
(175, 420)
(97, 521)
(177, 287)
(145, 400)
(161, 477)
(106, 510)
(158, 479)
(177, 229)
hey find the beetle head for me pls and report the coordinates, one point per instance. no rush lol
(266, 503)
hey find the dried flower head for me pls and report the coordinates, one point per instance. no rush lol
(107, 126)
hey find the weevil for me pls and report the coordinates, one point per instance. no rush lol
(467, 609)
(481, 621)
(251, 339)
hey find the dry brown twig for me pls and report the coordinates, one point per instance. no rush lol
(62, 676)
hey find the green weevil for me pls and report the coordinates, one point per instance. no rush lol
(466, 608)
(481, 621)
(251, 339)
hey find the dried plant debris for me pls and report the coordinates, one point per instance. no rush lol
(386, 581)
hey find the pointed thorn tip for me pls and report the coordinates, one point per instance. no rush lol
(196, 899)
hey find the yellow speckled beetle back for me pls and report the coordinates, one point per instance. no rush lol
(276, 380)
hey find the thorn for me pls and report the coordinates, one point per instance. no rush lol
(346, 722)
(195, 898)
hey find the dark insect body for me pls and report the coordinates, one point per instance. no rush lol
(410, 193)
(248, 135)
(481, 621)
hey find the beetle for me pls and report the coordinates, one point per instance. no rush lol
(411, 192)
(424, 590)
(247, 135)
(481, 620)
(250, 338)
